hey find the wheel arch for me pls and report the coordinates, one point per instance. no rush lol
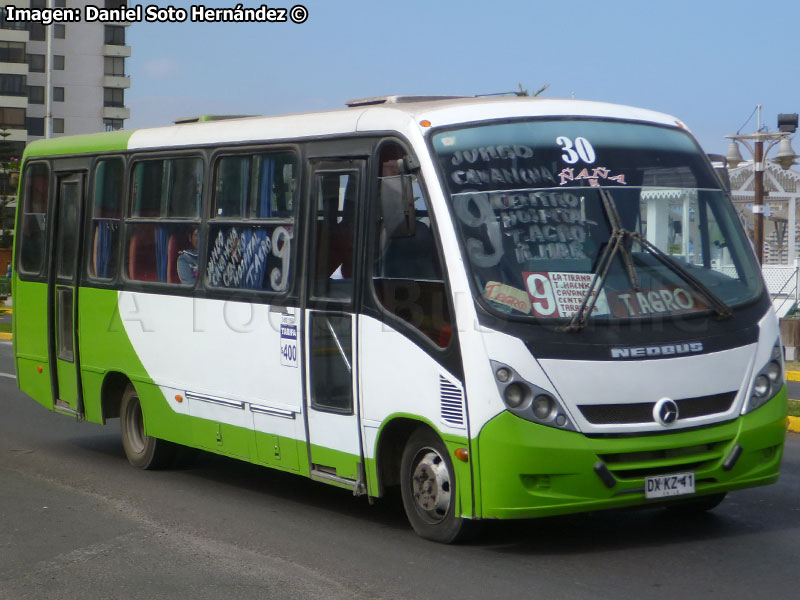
(114, 385)
(391, 442)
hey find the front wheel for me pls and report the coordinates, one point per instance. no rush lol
(428, 488)
(142, 450)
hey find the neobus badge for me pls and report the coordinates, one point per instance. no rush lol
(664, 350)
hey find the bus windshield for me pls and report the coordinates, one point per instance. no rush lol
(541, 204)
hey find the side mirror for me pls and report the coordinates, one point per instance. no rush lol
(397, 206)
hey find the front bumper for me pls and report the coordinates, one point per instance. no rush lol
(529, 470)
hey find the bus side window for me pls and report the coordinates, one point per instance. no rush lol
(164, 214)
(407, 273)
(252, 219)
(106, 216)
(34, 219)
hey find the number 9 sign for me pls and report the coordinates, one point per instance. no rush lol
(541, 290)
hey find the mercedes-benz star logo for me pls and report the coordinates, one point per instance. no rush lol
(665, 412)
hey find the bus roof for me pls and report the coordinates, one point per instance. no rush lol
(379, 115)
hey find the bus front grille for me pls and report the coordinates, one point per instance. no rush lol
(642, 412)
(635, 465)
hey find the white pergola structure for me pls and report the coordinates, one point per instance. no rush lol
(782, 190)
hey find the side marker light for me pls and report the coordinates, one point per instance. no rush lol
(178, 398)
(462, 454)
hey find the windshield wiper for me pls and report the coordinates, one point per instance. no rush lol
(621, 241)
(714, 301)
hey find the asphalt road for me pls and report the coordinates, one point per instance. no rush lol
(76, 522)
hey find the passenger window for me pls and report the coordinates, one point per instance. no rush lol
(34, 218)
(164, 227)
(255, 186)
(252, 226)
(155, 252)
(106, 218)
(186, 188)
(407, 273)
(233, 187)
(148, 181)
(167, 188)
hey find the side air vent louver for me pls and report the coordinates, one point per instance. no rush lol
(452, 403)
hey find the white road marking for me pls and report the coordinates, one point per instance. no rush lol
(9, 375)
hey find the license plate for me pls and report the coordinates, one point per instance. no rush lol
(666, 486)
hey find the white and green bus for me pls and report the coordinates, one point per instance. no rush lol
(506, 307)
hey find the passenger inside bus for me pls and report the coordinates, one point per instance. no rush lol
(187, 261)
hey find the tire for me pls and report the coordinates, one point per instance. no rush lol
(142, 451)
(428, 488)
(696, 505)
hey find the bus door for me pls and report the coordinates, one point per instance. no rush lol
(332, 399)
(63, 295)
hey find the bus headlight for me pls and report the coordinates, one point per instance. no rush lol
(762, 386)
(774, 371)
(543, 406)
(768, 382)
(515, 395)
(503, 375)
(529, 401)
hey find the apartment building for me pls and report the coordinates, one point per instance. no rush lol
(81, 76)
(60, 79)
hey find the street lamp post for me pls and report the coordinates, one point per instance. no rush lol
(787, 125)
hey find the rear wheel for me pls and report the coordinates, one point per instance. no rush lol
(428, 488)
(142, 450)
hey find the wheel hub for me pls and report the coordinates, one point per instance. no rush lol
(430, 484)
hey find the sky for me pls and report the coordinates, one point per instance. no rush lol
(707, 62)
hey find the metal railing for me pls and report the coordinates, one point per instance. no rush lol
(782, 285)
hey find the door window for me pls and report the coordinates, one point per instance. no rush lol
(334, 235)
(66, 349)
(331, 363)
(67, 233)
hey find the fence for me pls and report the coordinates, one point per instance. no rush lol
(782, 285)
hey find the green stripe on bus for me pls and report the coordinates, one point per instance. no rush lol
(79, 144)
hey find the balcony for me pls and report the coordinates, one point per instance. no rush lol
(9, 68)
(14, 101)
(116, 81)
(116, 112)
(113, 50)
(15, 35)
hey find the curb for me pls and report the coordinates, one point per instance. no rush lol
(794, 424)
